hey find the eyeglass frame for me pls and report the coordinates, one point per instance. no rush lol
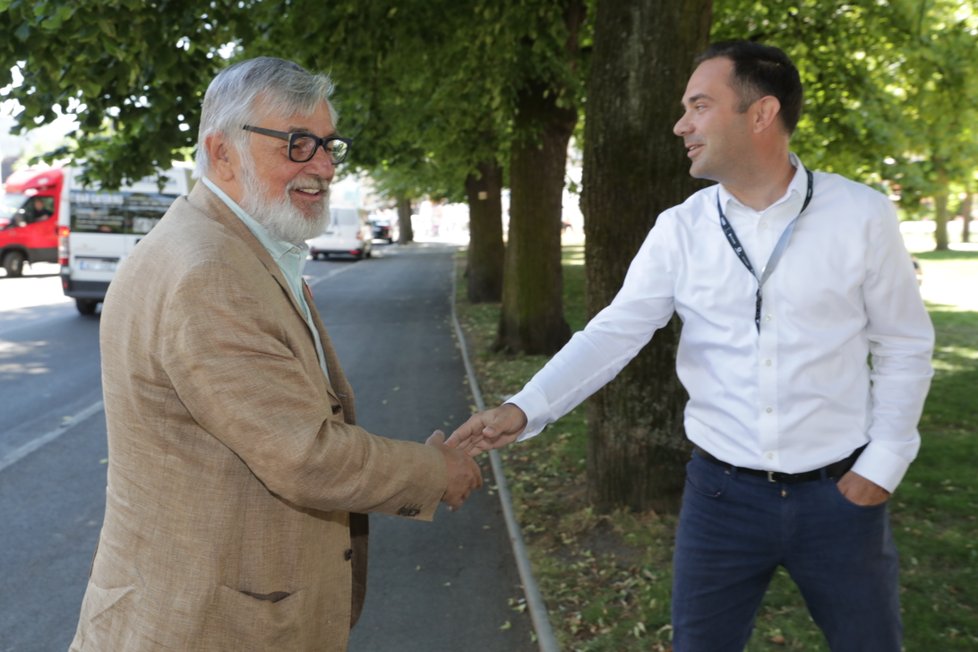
(291, 136)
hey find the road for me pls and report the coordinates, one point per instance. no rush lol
(433, 587)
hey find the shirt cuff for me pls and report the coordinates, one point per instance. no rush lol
(536, 408)
(881, 466)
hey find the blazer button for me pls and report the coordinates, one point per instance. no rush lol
(348, 554)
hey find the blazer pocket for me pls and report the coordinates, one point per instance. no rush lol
(257, 621)
(99, 601)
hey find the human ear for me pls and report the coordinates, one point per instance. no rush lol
(766, 111)
(222, 156)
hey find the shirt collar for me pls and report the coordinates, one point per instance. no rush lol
(796, 191)
(279, 250)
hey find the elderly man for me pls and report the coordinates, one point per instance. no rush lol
(237, 478)
(787, 282)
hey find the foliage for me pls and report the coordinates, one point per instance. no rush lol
(606, 579)
(133, 80)
(380, 56)
(891, 87)
(428, 88)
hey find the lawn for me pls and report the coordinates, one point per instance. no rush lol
(606, 577)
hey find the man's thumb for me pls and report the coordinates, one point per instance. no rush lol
(437, 437)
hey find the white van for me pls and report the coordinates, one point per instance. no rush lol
(98, 229)
(347, 233)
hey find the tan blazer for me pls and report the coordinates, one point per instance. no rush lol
(235, 469)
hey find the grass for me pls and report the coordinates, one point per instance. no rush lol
(606, 577)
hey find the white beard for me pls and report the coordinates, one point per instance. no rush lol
(282, 219)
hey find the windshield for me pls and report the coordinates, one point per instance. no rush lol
(10, 205)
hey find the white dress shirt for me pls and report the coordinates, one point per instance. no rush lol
(843, 354)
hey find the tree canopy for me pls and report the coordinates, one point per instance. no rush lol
(430, 88)
(891, 88)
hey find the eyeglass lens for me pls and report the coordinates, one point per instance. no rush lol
(302, 147)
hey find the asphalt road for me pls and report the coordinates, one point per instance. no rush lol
(445, 586)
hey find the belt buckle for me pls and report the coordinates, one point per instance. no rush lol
(770, 476)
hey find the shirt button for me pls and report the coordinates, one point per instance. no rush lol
(768, 317)
(769, 410)
(767, 363)
(769, 456)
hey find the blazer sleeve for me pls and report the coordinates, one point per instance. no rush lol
(243, 364)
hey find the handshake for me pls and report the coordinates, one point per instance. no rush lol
(482, 432)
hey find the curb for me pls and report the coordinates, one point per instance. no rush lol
(534, 601)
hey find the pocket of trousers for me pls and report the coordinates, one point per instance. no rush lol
(706, 479)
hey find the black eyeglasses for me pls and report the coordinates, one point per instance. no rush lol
(303, 145)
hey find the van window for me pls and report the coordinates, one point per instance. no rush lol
(117, 212)
(17, 209)
(12, 209)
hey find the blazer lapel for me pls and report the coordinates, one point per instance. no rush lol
(213, 207)
(337, 379)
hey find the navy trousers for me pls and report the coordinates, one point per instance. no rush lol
(736, 529)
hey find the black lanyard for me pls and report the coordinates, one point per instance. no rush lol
(775, 255)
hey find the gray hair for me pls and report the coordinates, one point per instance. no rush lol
(231, 100)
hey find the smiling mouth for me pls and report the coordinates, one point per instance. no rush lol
(312, 189)
(691, 150)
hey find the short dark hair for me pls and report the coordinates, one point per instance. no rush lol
(760, 70)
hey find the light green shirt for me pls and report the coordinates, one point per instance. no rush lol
(290, 258)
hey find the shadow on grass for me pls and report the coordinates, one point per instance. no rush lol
(935, 510)
(951, 254)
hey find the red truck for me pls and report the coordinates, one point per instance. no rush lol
(29, 211)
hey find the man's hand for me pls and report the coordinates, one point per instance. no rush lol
(860, 491)
(464, 474)
(490, 429)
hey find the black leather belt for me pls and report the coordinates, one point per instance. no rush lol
(834, 470)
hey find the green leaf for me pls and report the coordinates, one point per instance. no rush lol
(23, 32)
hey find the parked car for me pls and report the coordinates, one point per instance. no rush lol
(346, 234)
(382, 230)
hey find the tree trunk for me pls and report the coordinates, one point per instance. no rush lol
(484, 269)
(634, 168)
(532, 316)
(940, 212)
(405, 230)
(967, 205)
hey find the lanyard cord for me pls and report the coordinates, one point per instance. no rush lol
(775, 255)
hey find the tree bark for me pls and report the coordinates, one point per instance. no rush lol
(484, 269)
(634, 168)
(532, 315)
(940, 212)
(966, 207)
(405, 230)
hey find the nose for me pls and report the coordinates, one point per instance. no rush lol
(681, 128)
(322, 164)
